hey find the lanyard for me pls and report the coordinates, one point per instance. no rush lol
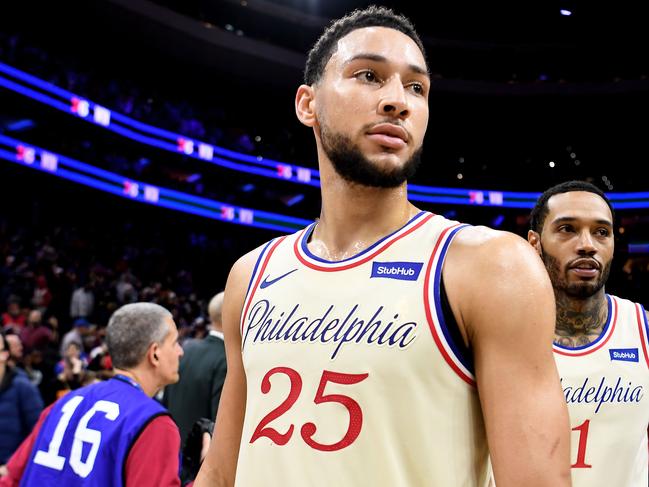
(128, 380)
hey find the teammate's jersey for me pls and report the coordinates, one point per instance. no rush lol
(353, 377)
(86, 437)
(605, 385)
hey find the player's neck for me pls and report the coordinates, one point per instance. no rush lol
(353, 217)
(3, 369)
(580, 321)
(149, 388)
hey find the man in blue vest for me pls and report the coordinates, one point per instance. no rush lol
(112, 433)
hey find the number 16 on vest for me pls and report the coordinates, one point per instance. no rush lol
(82, 434)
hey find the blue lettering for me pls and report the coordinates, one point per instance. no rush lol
(263, 325)
(605, 393)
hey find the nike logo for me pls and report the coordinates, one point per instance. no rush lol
(265, 283)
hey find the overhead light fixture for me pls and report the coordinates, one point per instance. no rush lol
(565, 12)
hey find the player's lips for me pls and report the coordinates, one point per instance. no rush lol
(585, 267)
(389, 135)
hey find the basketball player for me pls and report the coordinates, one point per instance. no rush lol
(600, 340)
(356, 348)
(112, 433)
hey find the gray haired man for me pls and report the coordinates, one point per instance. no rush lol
(113, 432)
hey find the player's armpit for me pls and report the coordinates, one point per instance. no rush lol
(220, 464)
(505, 305)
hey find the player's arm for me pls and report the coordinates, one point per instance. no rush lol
(503, 299)
(220, 464)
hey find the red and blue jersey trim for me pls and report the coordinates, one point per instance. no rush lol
(314, 262)
(643, 328)
(601, 340)
(257, 273)
(254, 270)
(453, 353)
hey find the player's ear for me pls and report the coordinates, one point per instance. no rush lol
(534, 238)
(305, 105)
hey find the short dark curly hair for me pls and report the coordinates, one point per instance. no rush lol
(540, 210)
(371, 16)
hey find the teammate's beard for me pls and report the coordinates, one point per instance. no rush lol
(580, 290)
(352, 165)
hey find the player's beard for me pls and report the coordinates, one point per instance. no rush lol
(351, 164)
(578, 289)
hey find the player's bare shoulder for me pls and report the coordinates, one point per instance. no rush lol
(485, 248)
(243, 268)
(488, 266)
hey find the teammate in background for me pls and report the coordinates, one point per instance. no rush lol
(112, 433)
(600, 341)
(356, 348)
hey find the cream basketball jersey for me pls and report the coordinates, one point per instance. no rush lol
(605, 385)
(353, 377)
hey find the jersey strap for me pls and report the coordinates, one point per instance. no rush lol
(257, 274)
(450, 350)
(643, 329)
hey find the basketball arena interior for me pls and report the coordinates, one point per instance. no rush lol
(145, 145)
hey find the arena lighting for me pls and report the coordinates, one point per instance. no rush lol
(639, 248)
(20, 125)
(33, 157)
(498, 221)
(565, 13)
(260, 166)
(63, 100)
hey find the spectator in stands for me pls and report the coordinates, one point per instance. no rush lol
(15, 347)
(71, 370)
(202, 372)
(100, 361)
(42, 296)
(13, 318)
(124, 289)
(80, 328)
(82, 303)
(21, 363)
(20, 404)
(36, 335)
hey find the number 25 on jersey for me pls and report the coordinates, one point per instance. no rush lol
(308, 430)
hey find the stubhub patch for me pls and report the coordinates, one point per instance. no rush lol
(404, 271)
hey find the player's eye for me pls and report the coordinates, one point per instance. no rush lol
(418, 88)
(367, 75)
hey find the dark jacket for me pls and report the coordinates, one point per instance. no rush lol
(20, 406)
(198, 392)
